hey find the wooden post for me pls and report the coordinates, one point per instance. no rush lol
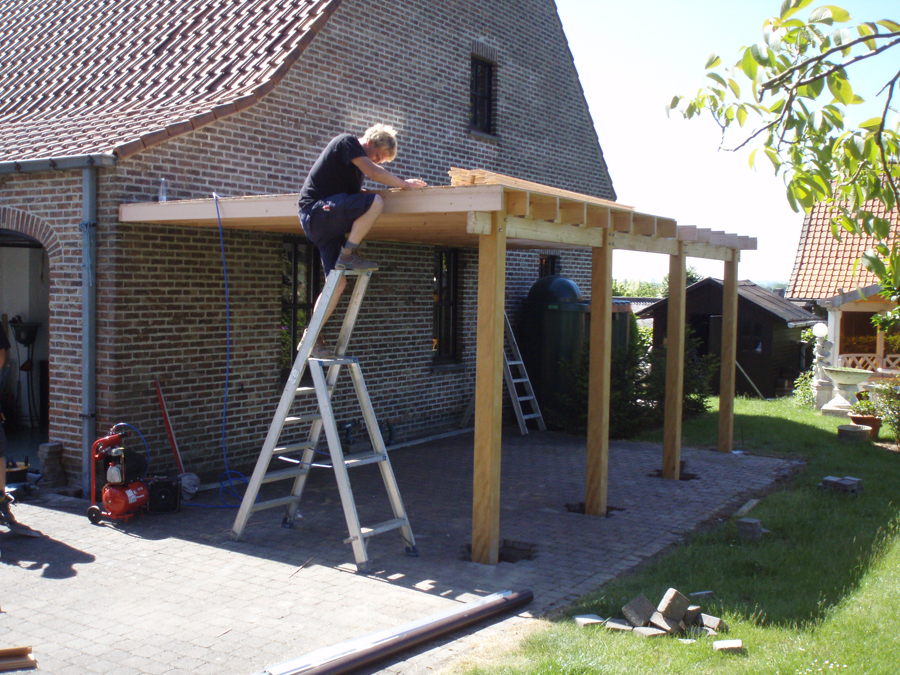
(598, 379)
(674, 366)
(729, 354)
(489, 392)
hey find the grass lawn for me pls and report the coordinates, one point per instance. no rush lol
(817, 594)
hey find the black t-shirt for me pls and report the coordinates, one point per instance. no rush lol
(4, 341)
(334, 171)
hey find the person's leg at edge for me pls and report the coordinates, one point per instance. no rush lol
(360, 228)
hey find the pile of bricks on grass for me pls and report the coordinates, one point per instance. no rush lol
(847, 484)
(676, 614)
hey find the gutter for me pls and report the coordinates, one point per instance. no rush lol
(67, 163)
(88, 165)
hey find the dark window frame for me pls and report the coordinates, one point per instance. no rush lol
(445, 308)
(481, 96)
(297, 252)
(548, 264)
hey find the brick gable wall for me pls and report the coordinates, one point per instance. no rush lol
(160, 296)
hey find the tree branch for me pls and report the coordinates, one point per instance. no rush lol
(779, 79)
(851, 62)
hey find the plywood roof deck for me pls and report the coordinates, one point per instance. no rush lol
(537, 216)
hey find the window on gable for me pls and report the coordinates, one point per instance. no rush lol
(446, 306)
(548, 264)
(301, 274)
(481, 100)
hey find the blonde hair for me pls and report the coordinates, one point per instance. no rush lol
(383, 137)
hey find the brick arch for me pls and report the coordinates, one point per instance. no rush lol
(31, 225)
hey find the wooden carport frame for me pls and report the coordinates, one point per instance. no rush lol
(493, 213)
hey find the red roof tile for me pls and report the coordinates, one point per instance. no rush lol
(81, 77)
(823, 267)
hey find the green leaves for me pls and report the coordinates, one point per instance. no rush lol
(791, 7)
(829, 14)
(840, 88)
(748, 64)
(712, 61)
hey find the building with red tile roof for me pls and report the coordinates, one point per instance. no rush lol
(827, 274)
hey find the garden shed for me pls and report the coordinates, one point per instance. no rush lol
(769, 350)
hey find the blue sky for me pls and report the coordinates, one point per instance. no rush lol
(632, 58)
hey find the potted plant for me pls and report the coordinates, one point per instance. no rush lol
(865, 411)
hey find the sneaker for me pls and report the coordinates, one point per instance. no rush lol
(6, 516)
(353, 261)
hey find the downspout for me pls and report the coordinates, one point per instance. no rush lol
(88, 229)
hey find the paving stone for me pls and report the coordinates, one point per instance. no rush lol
(587, 619)
(750, 528)
(692, 614)
(658, 620)
(648, 631)
(618, 624)
(673, 605)
(713, 623)
(731, 646)
(639, 611)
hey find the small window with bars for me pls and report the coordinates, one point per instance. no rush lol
(481, 100)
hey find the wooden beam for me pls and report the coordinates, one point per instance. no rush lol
(516, 203)
(729, 354)
(489, 393)
(597, 216)
(598, 380)
(644, 225)
(572, 213)
(633, 242)
(666, 228)
(541, 207)
(621, 221)
(539, 230)
(671, 467)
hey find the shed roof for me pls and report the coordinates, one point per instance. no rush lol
(83, 78)
(823, 267)
(766, 300)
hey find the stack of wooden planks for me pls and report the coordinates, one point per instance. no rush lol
(16, 658)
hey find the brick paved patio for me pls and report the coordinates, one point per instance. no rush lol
(172, 593)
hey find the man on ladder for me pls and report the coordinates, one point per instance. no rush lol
(335, 212)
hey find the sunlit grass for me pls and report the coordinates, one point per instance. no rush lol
(816, 595)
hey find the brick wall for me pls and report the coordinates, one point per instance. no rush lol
(160, 295)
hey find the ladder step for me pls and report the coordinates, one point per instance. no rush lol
(516, 363)
(305, 390)
(274, 503)
(386, 526)
(520, 380)
(359, 459)
(526, 398)
(300, 419)
(531, 417)
(293, 447)
(336, 361)
(282, 474)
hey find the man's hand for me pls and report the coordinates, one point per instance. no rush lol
(415, 184)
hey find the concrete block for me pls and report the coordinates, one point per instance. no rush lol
(639, 611)
(713, 623)
(618, 624)
(730, 646)
(850, 484)
(692, 614)
(686, 641)
(659, 620)
(649, 631)
(673, 605)
(587, 619)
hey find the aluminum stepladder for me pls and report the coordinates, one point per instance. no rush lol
(323, 388)
(515, 375)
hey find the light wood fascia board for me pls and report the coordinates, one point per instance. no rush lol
(256, 212)
(542, 207)
(621, 221)
(687, 233)
(597, 216)
(666, 228)
(572, 213)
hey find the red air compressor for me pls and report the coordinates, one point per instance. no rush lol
(124, 493)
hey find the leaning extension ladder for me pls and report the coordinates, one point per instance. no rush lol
(323, 388)
(515, 375)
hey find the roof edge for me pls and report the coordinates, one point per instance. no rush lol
(65, 163)
(241, 102)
